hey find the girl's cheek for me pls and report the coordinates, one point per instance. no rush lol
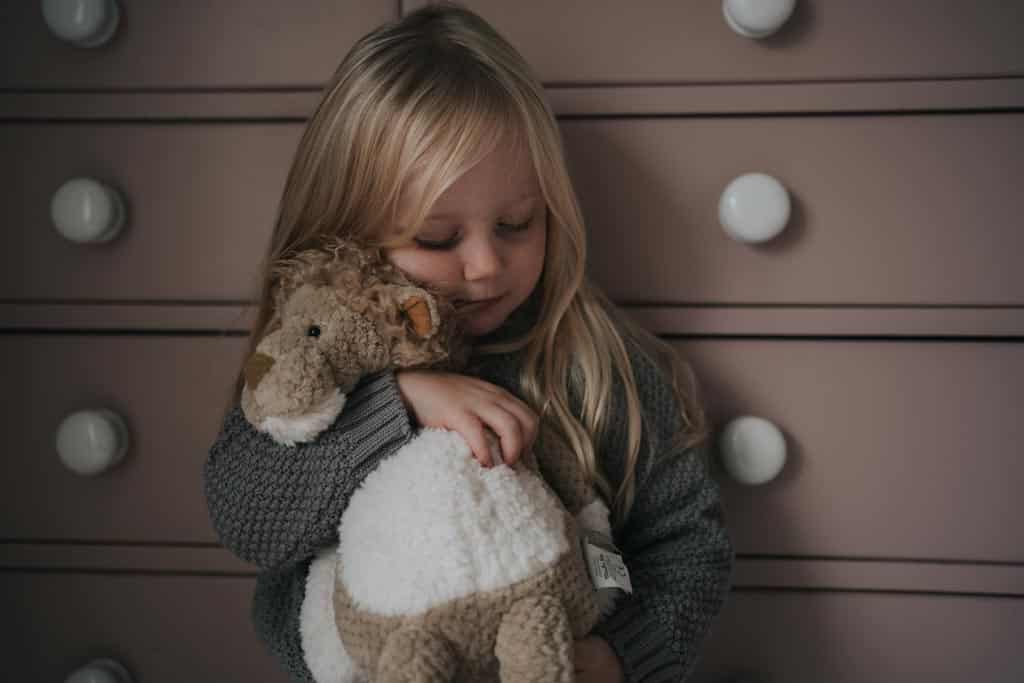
(434, 268)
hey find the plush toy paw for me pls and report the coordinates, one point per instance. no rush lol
(534, 642)
(414, 655)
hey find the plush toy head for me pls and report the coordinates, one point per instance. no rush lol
(340, 313)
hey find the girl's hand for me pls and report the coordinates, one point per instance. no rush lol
(596, 662)
(469, 406)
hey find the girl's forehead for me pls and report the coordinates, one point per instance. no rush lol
(504, 177)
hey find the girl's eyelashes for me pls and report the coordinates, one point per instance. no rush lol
(451, 242)
(436, 245)
(515, 227)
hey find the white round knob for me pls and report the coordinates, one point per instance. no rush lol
(100, 671)
(86, 211)
(754, 207)
(92, 441)
(753, 450)
(756, 18)
(84, 23)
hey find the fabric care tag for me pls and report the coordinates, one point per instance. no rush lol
(607, 570)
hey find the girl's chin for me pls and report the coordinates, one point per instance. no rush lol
(476, 328)
(485, 319)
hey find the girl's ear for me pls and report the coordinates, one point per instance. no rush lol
(420, 310)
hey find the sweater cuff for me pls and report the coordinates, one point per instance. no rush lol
(642, 644)
(374, 420)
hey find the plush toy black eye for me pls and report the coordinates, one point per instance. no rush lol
(313, 331)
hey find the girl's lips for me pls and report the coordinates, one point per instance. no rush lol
(463, 305)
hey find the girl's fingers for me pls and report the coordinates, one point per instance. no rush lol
(528, 422)
(508, 429)
(472, 430)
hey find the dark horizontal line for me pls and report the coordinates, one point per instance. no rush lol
(127, 572)
(125, 332)
(628, 303)
(823, 113)
(637, 303)
(826, 337)
(580, 85)
(171, 90)
(874, 591)
(197, 303)
(681, 336)
(186, 120)
(316, 88)
(872, 559)
(102, 543)
(79, 120)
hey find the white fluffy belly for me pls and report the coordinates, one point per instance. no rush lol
(430, 525)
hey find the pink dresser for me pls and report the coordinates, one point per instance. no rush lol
(860, 355)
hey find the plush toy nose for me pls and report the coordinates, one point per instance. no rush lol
(255, 368)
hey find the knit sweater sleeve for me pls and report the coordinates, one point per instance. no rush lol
(674, 544)
(275, 505)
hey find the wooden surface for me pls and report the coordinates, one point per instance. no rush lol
(171, 391)
(162, 628)
(885, 209)
(881, 332)
(224, 44)
(895, 449)
(653, 41)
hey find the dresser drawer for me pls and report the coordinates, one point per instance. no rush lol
(653, 41)
(162, 628)
(886, 209)
(171, 391)
(896, 450)
(221, 44)
(201, 201)
(858, 637)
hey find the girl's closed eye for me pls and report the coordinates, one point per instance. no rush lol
(436, 243)
(521, 226)
(441, 243)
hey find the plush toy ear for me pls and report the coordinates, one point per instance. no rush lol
(421, 311)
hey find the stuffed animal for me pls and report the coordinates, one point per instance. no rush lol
(444, 570)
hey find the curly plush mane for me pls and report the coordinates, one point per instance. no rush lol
(372, 286)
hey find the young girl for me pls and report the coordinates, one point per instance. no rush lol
(434, 141)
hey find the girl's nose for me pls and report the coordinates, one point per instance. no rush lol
(482, 260)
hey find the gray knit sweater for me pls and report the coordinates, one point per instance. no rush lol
(275, 506)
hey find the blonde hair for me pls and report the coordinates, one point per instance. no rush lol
(424, 97)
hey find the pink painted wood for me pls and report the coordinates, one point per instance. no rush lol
(228, 44)
(651, 41)
(914, 210)
(201, 205)
(856, 637)
(897, 450)
(161, 627)
(171, 391)
(703, 99)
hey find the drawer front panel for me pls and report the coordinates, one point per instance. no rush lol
(222, 44)
(896, 450)
(171, 392)
(857, 637)
(201, 201)
(684, 42)
(886, 209)
(162, 628)
(919, 210)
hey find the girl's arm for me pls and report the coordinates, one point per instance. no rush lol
(275, 505)
(674, 545)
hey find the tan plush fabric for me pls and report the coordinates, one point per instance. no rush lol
(524, 631)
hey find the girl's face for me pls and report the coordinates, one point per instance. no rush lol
(484, 240)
